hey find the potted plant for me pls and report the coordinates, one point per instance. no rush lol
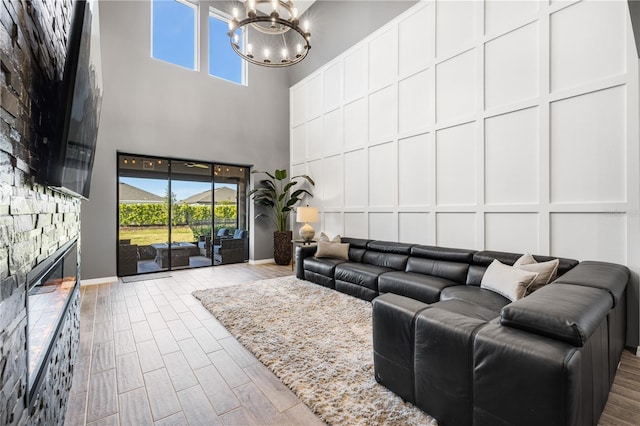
(274, 194)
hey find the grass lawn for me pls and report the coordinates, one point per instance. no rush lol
(147, 235)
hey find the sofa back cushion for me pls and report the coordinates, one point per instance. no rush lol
(443, 253)
(482, 259)
(453, 271)
(386, 260)
(357, 247)
(390, 247)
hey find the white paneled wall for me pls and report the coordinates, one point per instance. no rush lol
(489, 125)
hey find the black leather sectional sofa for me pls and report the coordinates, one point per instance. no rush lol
(467, 355)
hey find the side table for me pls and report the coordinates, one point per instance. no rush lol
(295, 243)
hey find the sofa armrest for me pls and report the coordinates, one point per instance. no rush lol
(302, 252)
(606, 276)
(526, 379)
(564, 312)
(394, 319)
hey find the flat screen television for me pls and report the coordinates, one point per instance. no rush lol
(72, 155)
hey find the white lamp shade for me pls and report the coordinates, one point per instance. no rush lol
(306, 214)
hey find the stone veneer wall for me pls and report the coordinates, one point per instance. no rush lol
(34, 222)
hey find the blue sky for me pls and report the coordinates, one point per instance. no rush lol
(173, 33)
(182, 189)
(174, 40)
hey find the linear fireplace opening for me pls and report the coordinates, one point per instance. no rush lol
(51, 286)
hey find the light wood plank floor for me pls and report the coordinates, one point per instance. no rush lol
(150, 354)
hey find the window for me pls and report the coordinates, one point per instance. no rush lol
(174, 32)
(223, 61)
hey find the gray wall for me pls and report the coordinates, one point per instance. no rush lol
(337, 25)
(151, 107)
(154, 108)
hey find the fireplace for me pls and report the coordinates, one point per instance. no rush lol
(52, 284)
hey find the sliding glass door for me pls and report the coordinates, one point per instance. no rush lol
(176, 214)
(191, 214)
(143, 214)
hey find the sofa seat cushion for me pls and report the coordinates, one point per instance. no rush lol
(322, 265)
(424, 288)
(477, 296)
(362, 274)
(468, 309)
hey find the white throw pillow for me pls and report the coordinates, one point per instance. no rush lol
(334, 250)
(508, 281)
(547, 271)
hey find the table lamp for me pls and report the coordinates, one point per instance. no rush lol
(306, 215)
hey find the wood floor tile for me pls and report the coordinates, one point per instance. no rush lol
(128, 372)
(179, 371)
(76, 409)
(121, 322)
(177, 419)
(302, 415)
(86, 343)
(189, 320)
(220, 395)
(168, 313)
(277, 393)
(156, 322)
(165, 341)
(137, 314)
(238, 417)
(111, 420)
(103, 357)
(141, 331)
(162, 396)
(239, 353)
(196, 407)
(206, 341)
(228, 369)
(216, 329)
(124, 342)
(259, 406)
(102, 332)
(150, 358)
(194, 353)
(102, 400)
(178, 329)
(81, 374)
(134, 408)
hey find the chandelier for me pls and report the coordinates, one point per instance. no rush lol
(265, 35)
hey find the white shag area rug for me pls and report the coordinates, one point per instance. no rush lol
(318, 342)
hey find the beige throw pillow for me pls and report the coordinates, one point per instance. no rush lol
(508, 281)
(334, 250)
(547, 271)
(324, 237)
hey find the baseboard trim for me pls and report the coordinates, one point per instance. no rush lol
(638, 351)
(260, 262)
(96, 281)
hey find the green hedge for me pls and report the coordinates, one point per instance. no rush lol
(181, 214)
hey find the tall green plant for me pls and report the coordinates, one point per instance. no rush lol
(274, 194)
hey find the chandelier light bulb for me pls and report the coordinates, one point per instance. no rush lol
(274, 21)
